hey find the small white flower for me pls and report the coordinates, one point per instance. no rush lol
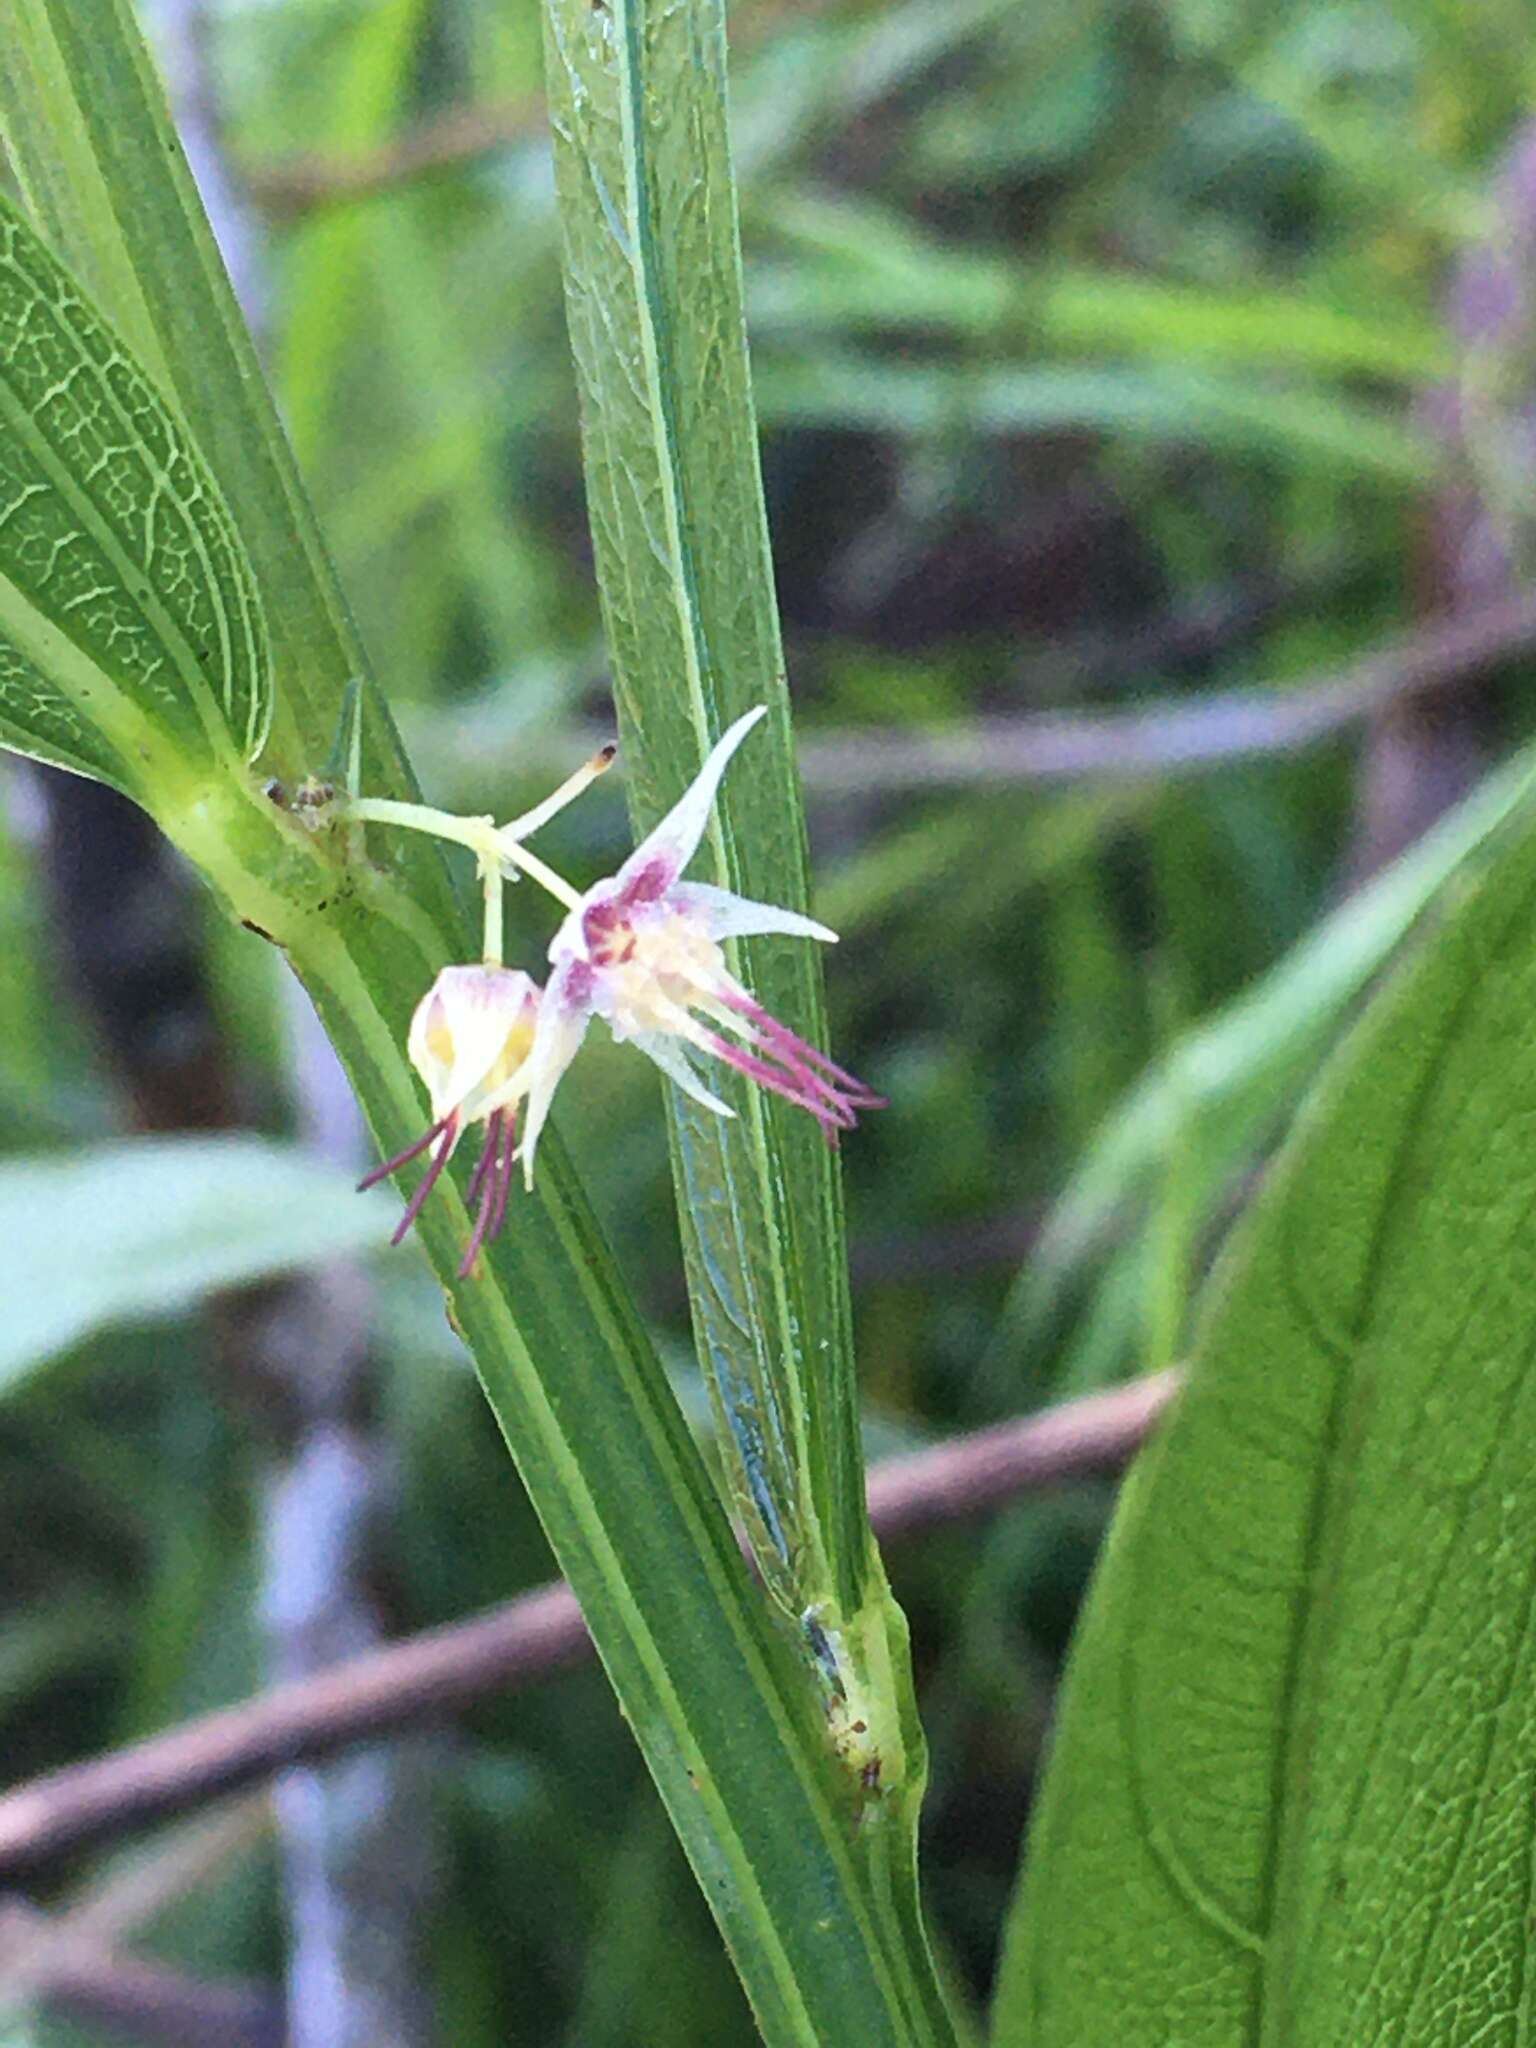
(642, 951)
(470, 1040)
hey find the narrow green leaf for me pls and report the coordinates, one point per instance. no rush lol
(84, 115)
(654, 305)
(144, 1228)
(1292, 1797)
(329, 267)
(857, 264)
(114, 536)
(1230, 415)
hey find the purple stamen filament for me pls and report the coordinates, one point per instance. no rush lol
(429, 1180)
(786, 1065)
(508, 1154)
(492, 1180)
(798, 1052)
(402, 1158)
(790, 1084)
(487, 1159)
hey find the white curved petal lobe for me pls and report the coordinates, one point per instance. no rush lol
(676, 839)
(561, 1028)
(728, 916)
(462, 1028)
(668, 1054)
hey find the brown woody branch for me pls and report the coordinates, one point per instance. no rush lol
(46, 1963)
(528, 1639)
(297, 184)
(1178, 738)
(448, 141)
(1203, 732)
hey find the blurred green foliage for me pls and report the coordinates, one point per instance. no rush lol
(1095, 344)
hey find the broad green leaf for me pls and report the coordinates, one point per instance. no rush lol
(84, 117)
(144, 1228)
(822, 1927)
(129, 625)
(1293, 1796)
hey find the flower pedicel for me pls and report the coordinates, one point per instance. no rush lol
(641, 949)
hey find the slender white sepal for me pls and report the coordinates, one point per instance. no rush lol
(561, 1028)
(674, 842)
(728, 916)
(676, 1065)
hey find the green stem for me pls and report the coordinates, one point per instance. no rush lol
(492, 883)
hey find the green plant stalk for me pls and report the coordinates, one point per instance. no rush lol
(654, 304)
(736, 1740)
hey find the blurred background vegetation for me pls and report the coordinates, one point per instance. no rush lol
(1117, 361)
